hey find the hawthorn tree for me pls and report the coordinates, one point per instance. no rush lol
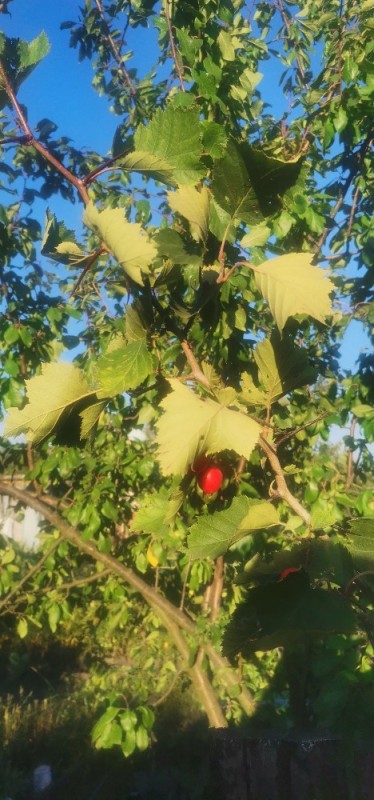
(223, 255)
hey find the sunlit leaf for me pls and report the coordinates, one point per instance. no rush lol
(127, 241)
(50, 395)
(194, 206)
(190, 426)
(293, 285)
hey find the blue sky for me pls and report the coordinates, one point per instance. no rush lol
(60, 89)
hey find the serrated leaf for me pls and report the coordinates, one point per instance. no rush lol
(213, 534)
(190, 426)
(58, 388)
(232, 188)
(30, 53)
(284, 613)
(58, 242)
(156, 513)
(128, 241)
(124, 369)
(361, 542)
(214, 138)
(135, 331)
(90, 417)
(250, 393)
(282, 366)
(293, 285)
(171, 245)
(225, 45)
(193, 205)
(168, 148)
(248, 183)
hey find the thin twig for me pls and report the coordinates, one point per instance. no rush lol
(357, 578)
(155, 599)
(31, 571)
(350, 463)
(359, 156)
(89, 263)
(115, 51)
(196, 370)
(302, 427)
(173, 47)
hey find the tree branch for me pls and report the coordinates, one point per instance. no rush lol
(115, 51)
(149, 594)
(346, 186)
(173, 47)
(38, 146)
(32, 571)
(282, 488)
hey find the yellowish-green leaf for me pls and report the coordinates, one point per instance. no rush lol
(194, 206)
(293, 285)
(225, 45)
(190, 426)
(129, 242)
(250, 393)
(58, 388)
(258, 236)
(134, 327)
(124, 369)
(90, 417)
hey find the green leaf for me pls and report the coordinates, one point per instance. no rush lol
(30, 54)
(142, 738)
(90, 417)
(284, 613)
(129, 743)
(54, 615)
(214, 138)
(361, 542)
(257, 237)
(156, 513)
(103, 723)
(293, 285)
(135, 330)
(190, 426)
(225, 45)
(233, 190)
(168, 148)
(194, 206)
(250, 393)
(213, 534)
(128, 241)
(22, 628)
(50, 395)
(171, 245)
(282, 366)
(123, 369)
(340, 120)
(58, 242)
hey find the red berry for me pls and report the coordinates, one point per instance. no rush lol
(286, 572)
(210, 479)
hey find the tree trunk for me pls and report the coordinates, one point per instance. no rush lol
(291, 768)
